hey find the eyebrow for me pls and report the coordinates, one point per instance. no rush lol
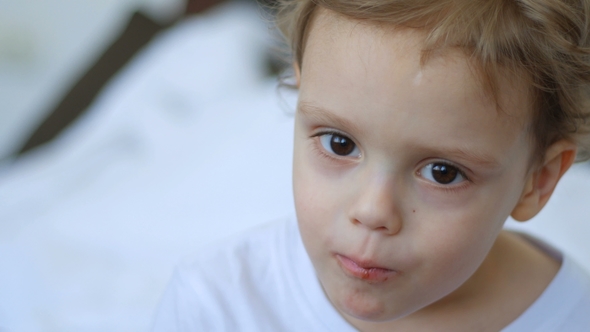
(470, 156)
(323, 115)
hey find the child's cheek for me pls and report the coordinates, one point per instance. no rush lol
(441, 199)
(453, 224)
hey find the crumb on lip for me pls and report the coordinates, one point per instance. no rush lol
(373, 275)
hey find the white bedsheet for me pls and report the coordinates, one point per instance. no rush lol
(189, 144)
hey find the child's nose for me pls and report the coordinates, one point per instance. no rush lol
(376, 207)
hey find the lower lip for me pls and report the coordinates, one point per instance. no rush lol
(372, 274)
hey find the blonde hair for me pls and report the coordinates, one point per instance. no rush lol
(545, 40)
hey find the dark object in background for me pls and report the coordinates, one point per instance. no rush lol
(139, 32)
(193, 7)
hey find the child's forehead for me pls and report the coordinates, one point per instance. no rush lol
(330, 31)
(375, 79)
(336, 27)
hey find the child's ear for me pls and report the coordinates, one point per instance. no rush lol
(297, 71)
(541, 182)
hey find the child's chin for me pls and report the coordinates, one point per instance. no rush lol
(367, 308)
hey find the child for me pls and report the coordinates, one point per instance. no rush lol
(421, 126)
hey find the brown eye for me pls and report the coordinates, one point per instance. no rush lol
(339, 145)
(442, 173)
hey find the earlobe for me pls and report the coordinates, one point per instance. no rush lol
(297, 72)
(528, 205)
(542, 182)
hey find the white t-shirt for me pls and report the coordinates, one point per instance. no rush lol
(263, 280)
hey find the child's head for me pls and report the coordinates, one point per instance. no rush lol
(421, 126)
(546, 42)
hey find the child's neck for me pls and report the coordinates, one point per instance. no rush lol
(511, 278)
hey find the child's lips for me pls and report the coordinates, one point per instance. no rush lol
(365, 270)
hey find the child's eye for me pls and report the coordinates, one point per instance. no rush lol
(442, 173)
(339, 145)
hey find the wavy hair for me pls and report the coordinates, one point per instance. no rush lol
(547, 41)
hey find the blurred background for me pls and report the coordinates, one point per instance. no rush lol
(134, 132)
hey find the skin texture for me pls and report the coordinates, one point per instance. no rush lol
(444, 257)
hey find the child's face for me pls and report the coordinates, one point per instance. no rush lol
(403, 175)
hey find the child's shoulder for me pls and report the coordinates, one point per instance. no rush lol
(218, 287)
(251, 281)
(245, 254)
(565, 303)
